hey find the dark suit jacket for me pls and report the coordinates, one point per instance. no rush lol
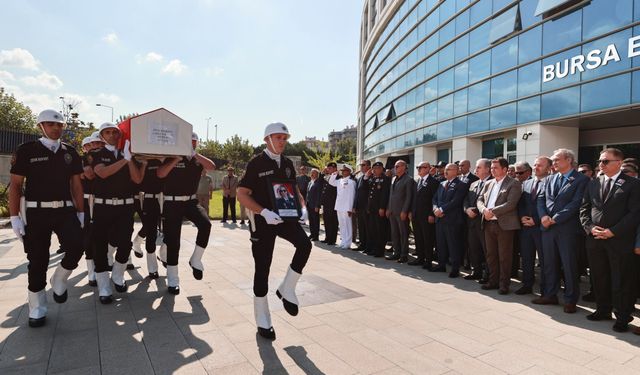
(328, 195)
(401, 194)
(470, 179)
(620, 212)
(362, 193)
(471, 200)
(506, 206)
(423, 198)
(313, 194)
(450, 201)
(528, 204)
(563, 206)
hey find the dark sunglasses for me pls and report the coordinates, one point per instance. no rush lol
(584, 171)
(420, 167)
(520, 173)
(607, 161)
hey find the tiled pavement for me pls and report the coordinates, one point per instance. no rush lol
(359, 315)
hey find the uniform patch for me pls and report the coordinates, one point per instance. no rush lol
(35, 160)
(266, 173)
(68, 159)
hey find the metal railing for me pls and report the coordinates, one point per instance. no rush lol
(10, 140)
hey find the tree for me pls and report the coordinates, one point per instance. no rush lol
(346, 151)
(299, 149)
(320, 159)
(14, 115)
(238, 151)
(211, 149)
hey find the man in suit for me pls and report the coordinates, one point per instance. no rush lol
(360, 204)
(610, 214)
(328, 202)
(398, 209)
(498, 206)
(465, 173)
(447, 207)
(558, 208)
(530, 235)
(303, 180)
(377, 224)
(475, 235)
(314, 191)
(422, 217)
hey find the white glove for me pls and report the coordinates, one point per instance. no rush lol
(81, 218)
(18, 226)
(305, 215)
(126, 153)
(270, 217)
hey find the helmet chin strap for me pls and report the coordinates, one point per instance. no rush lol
(47, 140)
(272, 146)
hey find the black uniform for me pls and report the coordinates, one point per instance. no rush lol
(378, 227)
(180, 201)
(112, 211)
(260, 171)
(48, 177)
(329, 214)
(360, 204)
(87, 189)
(151, 187)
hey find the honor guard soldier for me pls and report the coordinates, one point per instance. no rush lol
(180, 177)
(149, 198)
(52, 172)
(116, 173)
(328, 201)
(379, 187)
(89, 144)
(254, 192)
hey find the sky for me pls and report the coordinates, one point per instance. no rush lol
(244, 63)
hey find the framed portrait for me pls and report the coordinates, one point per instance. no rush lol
(284, 199)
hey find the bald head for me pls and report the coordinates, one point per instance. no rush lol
(451, 171)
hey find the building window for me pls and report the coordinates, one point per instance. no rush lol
(549, 8)
(443, 155)
(389, 114)
(505, 24)
(493, 148)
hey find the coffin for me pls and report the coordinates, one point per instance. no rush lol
(157, 133)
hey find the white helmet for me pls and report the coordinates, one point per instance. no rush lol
(50, 115)
(87, 140)
(194, 137)
(95, 137)
(107, 125)
(347, 166)
(276, 128)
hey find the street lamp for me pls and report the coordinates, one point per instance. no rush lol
(108, 106)
(63, 105)
(208, 118)
(216, 126)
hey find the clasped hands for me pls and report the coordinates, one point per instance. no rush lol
(600, 233)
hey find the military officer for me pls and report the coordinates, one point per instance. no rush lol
(379, 187)
(49, 170)
(254, 193)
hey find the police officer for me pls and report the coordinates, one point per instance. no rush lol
(52, 172)
(254, 192)
(180, 177)
(149, 197)
(328, 201)
(377, 224)
(116, 173)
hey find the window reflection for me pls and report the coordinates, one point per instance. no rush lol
(460, 126)
(445, 130)
(560, 103)
(620, 40)
(480, 67)
(504, 56)
(504, 87)
(606, 93)
(478, 122)
(503, 116)
(529, 45)
(529, 110)
(460, 102)
(445, 82)
(479, 95)
(445, 107)
(529, 79)
(562, 32)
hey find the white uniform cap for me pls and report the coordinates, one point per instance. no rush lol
(276, 128)
(87, 140)
(95, 137)
(50, 115)
(107, 125)
(347, 166)
(194, 137)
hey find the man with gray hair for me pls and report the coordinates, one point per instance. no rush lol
(475, 235)
(523, 171)
(398, 209)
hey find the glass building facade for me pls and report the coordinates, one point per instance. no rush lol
(437, 71)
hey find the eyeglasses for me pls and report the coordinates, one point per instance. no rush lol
(607, 161)
(584, 171)
(420, 167)
(520, 173)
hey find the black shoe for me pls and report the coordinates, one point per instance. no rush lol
(355, 249)
(59, 251)
(130, 267)
(621, 326)
(105, 300)
(196, 272)
(315, 239)
(403, 259)
(392, 257)
(454, 274)
(60, 298)
(377, 255)
(291, 308)
(483, 281)
(137, 254)
(110, 268)
(524, 290)
(164, 264)
(175, 290)
(93, 283)
(473, 276)
(597, 316)
(330, 243)
(589, 297)
(120, 288)
(438, 269)
(223, 221)
(242, 222)
(416, 262)
(503, 291)
(35, 323)
(268, 334)
(489, 287)
(428, 267)
(153, 275)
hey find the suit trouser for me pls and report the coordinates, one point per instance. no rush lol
(377, 229)
(330, 217)
(346, 228)
(41, 222)
(477, 247)
(228, 203)
(530, 242)
(150, 218)
(449, 245)
(614, 272)
(559, 250)
(314, 223)
(425, 235)
(362, 228)
(499, 253)
(111, 225)
(399, 235)
(263, 237)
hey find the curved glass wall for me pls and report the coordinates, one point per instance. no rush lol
(456, 67)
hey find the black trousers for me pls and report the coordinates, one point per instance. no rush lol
(87, 245)
(425, 236)
(477, 248)
(150, 219)
(330, 217)
(377, 227)
(314, 223)
(173, 213)
(362, 228)
(41, 223)
(449, 245)
(228, 202)
(614, 276)
(111, 225)
(263, 237)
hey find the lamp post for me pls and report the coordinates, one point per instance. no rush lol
(63, 105)
(108, 106)
(208, 118)
(216, 126)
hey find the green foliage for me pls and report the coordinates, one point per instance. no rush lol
(211, 149)
(4, 200)
(319, 159)
(238, 151)
(14, 115)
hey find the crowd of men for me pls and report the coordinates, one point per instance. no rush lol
(567, 219)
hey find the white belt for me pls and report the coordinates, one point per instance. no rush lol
(53, 204)
(148, 195)
(179, 198)
(114, 201)
(87, 196)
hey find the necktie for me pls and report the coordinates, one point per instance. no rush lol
(534, 192)
(559, 183)
(607, 189)
(446, 186)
